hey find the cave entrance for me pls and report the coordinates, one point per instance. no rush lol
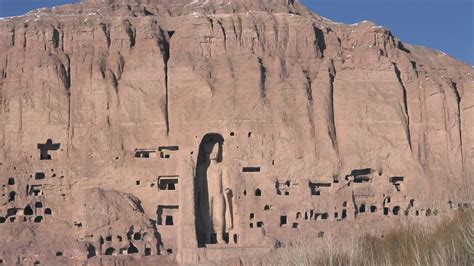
(28, 210)
(45, 148)
(132, 249)
(167, 214)
(213, 194)
(168, 183)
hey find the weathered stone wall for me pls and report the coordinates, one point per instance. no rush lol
(326, 128)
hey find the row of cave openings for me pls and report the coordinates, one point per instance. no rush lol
(357, 176)
(281, 189)
(314, 215)
(31, 190)
(165, 152)
(36, 214)
(284, 219)
(316, 188)
(131, 249)
(396, 210)
(33, 212)
(115, 245)
(163, 183)
(34, 189)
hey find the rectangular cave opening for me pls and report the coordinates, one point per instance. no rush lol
(166, 214)
(360, 175)
(11, 196)
(316, 187)
(147, 251)
(145, 153)
(284, 188)
(326, 185)
(169, 220)
(11, 212)
(344, 214)
(168, 182)
(165, 151)
(283, 220)
(373, 208)
(39, 176)
(324, 216)
(361, 179)
(46, 147)
(359, 172)
(251, 169)
(35, 190)
(396, 181)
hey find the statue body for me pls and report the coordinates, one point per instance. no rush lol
(214, 188)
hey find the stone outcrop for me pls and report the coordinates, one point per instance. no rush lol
(157, 130)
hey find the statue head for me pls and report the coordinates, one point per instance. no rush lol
(211, 148)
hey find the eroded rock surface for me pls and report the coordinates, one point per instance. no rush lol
(188, 131)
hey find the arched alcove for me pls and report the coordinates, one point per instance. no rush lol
(28, 210)
(213, 195)
(110, 251)
(132, 249)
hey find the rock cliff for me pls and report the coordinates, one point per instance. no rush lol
(137, 128)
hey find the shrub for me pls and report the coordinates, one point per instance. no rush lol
(451, 243)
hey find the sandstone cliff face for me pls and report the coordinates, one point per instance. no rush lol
(335, 115)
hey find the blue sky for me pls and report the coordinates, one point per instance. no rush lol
(446, 25)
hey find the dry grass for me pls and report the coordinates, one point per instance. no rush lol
(452, 243)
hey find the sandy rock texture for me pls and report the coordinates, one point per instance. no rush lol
(144, 131)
